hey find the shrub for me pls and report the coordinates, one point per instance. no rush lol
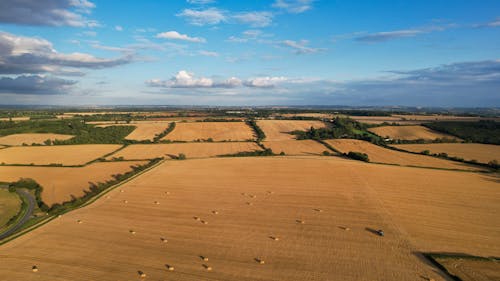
(358, 156)
(181, 156)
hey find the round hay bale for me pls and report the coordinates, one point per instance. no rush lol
(142, 274)
(157, 203)
(275, 238)
(34, 268)
(253, 196)
(300, 221)
(121, 190)
(204, 222)
(164, 240)
(215, 212)
(249, 203)
(318, 210)
(170, 268)
(132, 231)
(79, 221)
(125, 201)
(260, 261)
(59, 216)
(204, 258)
(207, 267)
(167, 192)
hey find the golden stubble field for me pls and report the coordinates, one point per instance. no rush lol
(59, 154)
(384, 155)
(472, 270)
(279, 130)
(246, 202)
(59, 183)
(218, 131)
(19, 139)
(483, 153)
(191, 150)
(409, 133)
(296, 147)
(143, 130)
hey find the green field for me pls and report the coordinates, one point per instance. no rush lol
(10, 204)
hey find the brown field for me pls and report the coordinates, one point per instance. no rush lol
(472, 270)
(314, 115)
(409, 133)
(383, 155)
(381, 119)
(145, 130)
(419, 209)
(191, 150)
(483, 153)
(60, 154)
(10, 204)
(59, 183)
(278, 130)
(218, 131)
(296, 147)
(15, 119)
(19, 139)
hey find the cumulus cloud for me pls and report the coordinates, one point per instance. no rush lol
(47, 12)
(174, 35)
(264, 82)
(208, 16)
(21, 55)
(118, 28)
(254, 19)
(389, 35)
(35, 85)
(300, 47)
(200, 2)
(293, 6)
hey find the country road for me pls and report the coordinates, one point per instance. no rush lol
(31, 205)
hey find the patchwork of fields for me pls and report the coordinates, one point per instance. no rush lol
(409, 133)
(483, 153)
(279, 130)
(20, 139)
(296, 147)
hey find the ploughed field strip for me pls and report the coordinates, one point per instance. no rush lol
(60, 183)
(266, 218)
(58, 154)
(483, 153)
(296, 147)
(384, 155)
(279, 130)
(20, 139)
(143, 130)
(409, 133)
(191, 150)
(217, 131)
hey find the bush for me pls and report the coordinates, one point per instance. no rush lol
(181, 156)
(326, 153)
(258, 131)
(358, 156)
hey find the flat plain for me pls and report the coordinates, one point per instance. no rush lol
(409, 133)
(279, 130)
(59, 154)
(296, 147)
(59, 183)
(218, 131)
(19, 139)
(384, 155)
(483, 153)
(191, 150)
(274, 218)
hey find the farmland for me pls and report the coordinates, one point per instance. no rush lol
(296, 147)
(383, 155)
(60, 183)
(61, 154)
(483, 153)
(279, 130)
(409, 133)
(10, 204)
(470, 269)
(191, 150)
(336, 222)
(19, 139)
(217, 131)
(143, 130)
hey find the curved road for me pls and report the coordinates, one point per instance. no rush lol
(31, 205)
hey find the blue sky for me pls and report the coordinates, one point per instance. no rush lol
(279, 52)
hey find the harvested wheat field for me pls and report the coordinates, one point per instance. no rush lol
(10, 204)
(483, 153)
(296, 147)
(15, 118)
(322, 209)
(218, 131)
(278, 130)
(57, 154)
(59, 183)
(409, 133)
(143, 130)
(191, 150)
(472, 269)
(384, 155)
(380, 119)
(19, 139)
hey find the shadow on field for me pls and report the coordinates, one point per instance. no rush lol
(373, 231)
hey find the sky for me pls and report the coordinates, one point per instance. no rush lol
(246, 53)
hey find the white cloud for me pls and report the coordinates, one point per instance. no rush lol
(208, 16)
(389, 35)
(264, 82)
(118, 28)
(293, 6)
(208, 53)
(254, 19)
(174, 35)
(300, 47)
(200, 2)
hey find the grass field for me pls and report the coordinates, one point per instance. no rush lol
(19, 139)
(143, 130)
(483, 153)
(61, 154)
(191, 150)
(471, 269)
(338, 201)
(409, 133)
(59, 183)
(383, 155)
(218, 131)
(296, 147)
(279, 130)
(10, 205)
